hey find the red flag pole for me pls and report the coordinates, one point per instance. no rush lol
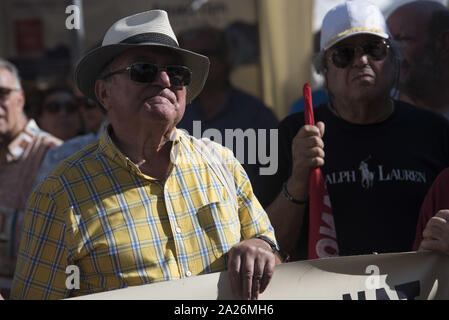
(322, 235)
(308, 107)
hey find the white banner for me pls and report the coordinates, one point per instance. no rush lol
(397, 276)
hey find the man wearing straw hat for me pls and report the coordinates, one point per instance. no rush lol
(378, 156)
(147, 202)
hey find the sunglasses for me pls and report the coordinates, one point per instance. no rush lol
(5, 92)
(145, 72)
(55, 107)
(343, 56)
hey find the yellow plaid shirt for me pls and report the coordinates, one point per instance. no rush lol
(121, 228)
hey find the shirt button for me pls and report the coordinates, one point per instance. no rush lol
(188, 273)
(178, 230)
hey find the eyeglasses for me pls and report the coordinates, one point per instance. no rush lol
(5, 92)
(144, 72)
(55, 107)
(343, 56)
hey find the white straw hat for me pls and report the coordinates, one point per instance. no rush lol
(352, 18)
(150, 28)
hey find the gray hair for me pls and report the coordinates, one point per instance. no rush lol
(320, 62)
(5, 64)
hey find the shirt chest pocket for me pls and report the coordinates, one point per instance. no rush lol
(218, 223)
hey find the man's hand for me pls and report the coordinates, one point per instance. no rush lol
(307, 154)
(251, 266)
(436, 233)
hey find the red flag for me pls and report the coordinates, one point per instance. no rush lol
(322, 235)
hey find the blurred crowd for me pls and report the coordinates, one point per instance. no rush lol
(382, 110)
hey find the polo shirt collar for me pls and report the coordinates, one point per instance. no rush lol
(18, 145)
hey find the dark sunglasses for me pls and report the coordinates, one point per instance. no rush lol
(343, 56)
(55, 107)
(145, 72)
(5, 92)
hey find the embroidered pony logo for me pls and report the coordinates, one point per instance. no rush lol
(367, 176)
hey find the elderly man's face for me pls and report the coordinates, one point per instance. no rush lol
(418, 67)
(138, 105)
(364, 77)
(11, 104)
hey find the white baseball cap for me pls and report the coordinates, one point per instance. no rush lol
(352, 18)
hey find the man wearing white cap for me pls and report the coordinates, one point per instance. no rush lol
(147, 202)
(375, 177)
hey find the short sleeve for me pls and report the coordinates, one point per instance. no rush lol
(42, 258)
(253, 218)
(435, 200)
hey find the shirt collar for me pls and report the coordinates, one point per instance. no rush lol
(109, 148)
(103, 127)
(17, 147)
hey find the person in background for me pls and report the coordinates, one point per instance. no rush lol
(94, 118)
(146, 202)
(220, 105)
(378, 156)
(422, 29)
(92, 114)
(432, 231)
(59, 115)
(22, 148)
(319, 95)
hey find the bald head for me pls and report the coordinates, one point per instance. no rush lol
(421, 9)
(422, 13)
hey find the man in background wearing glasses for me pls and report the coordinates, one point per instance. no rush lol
(378, 156)
(93, 116)
(22, 147)
(59, 115)
(147, 202)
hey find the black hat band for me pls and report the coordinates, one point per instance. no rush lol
(151, 37)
